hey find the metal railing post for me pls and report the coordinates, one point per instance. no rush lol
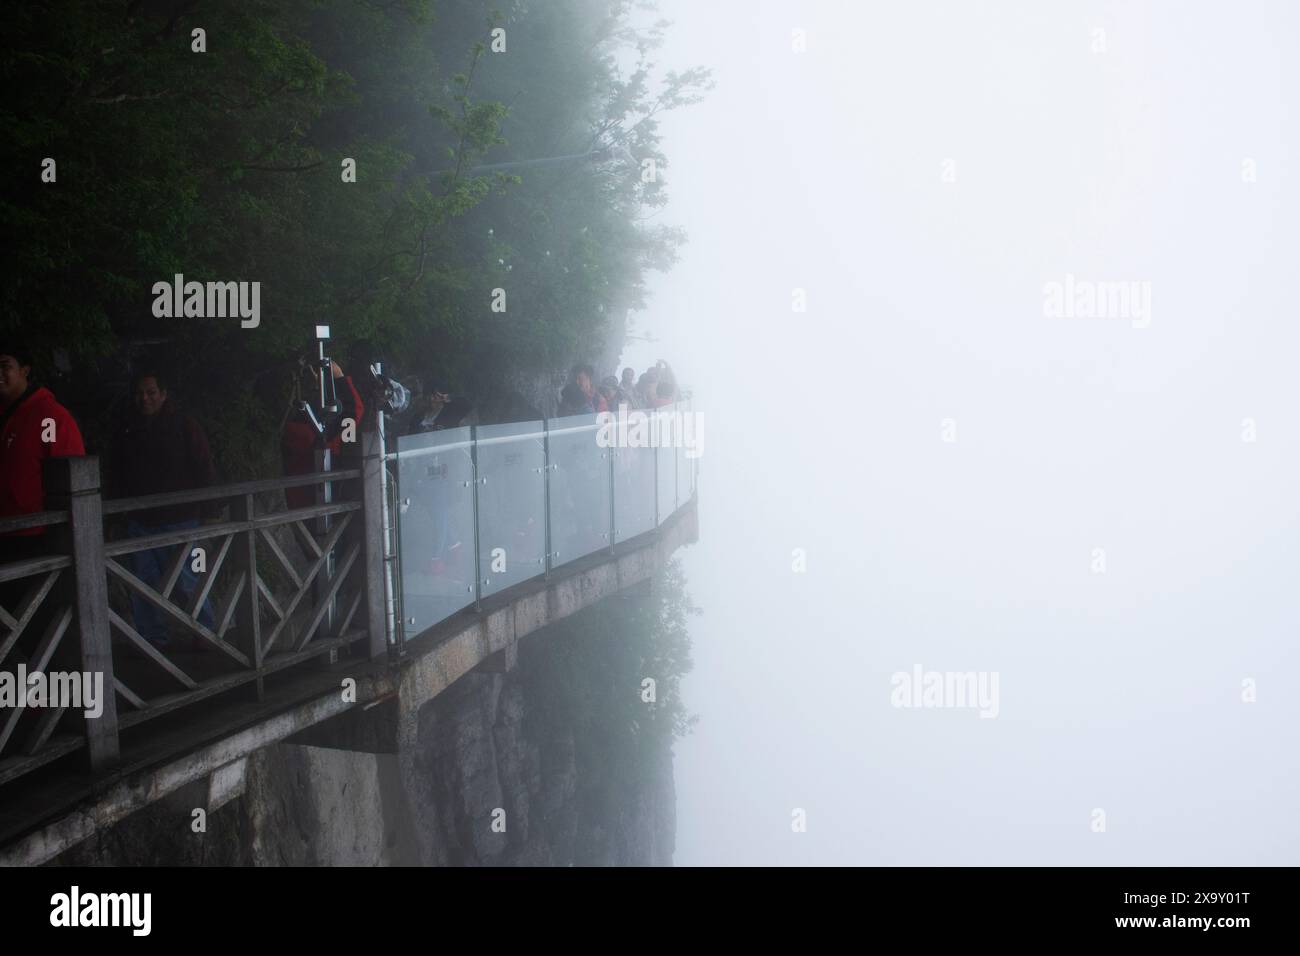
(655, 464)
(380, 606)
(676, 470)
(546, 494)
(612, 451)
(690, 466)
(478, 567)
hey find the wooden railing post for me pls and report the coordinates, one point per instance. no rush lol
(372, 531)
(72, 485)
(325, 495)
(248, 620)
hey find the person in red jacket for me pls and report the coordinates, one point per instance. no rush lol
(298, 441)
(33, 427)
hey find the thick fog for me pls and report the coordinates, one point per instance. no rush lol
(969, 452)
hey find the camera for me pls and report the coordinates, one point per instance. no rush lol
(391, 396)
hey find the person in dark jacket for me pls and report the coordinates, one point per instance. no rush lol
(573, 401)
(582, 376)
(439, 410)
(160, 449)
(665, 394)
(647, 387)
(615, 394)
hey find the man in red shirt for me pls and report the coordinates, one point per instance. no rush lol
(33, 427)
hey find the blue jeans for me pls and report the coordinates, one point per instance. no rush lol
(150, 566)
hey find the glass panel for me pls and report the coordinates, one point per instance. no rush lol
(634, 492)
(683, 463)
(435, 518)
(693, 465)
(579, 489)
(688, 488)
(511, 504)
(667, 471)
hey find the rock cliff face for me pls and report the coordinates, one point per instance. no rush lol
(530, 767)
(501, 784)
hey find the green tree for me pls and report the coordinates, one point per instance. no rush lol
(227, 165)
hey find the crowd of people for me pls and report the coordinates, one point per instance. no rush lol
(158, 447)
(656, 388)
(438, 569)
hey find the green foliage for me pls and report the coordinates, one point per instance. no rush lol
(590, 677)
(226, 165)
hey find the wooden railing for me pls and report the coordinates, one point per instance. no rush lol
(277, 587)
(250, 593)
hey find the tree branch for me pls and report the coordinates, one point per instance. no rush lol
(280, 169)
(129, 97)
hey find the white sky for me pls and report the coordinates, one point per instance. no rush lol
(1120, 691)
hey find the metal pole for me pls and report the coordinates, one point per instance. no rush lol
(478, 567)
(372, 537)
(612, 451)
(392, 596)
(655, 460)
(546, 495)
(325, 463)
(677, 485)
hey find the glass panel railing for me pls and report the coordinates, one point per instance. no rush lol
(579, 495)
(693, 460)
(683, 435)
(666, 485)
(435, 495)
(634, 492)
(527, 489)
(511, 503)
